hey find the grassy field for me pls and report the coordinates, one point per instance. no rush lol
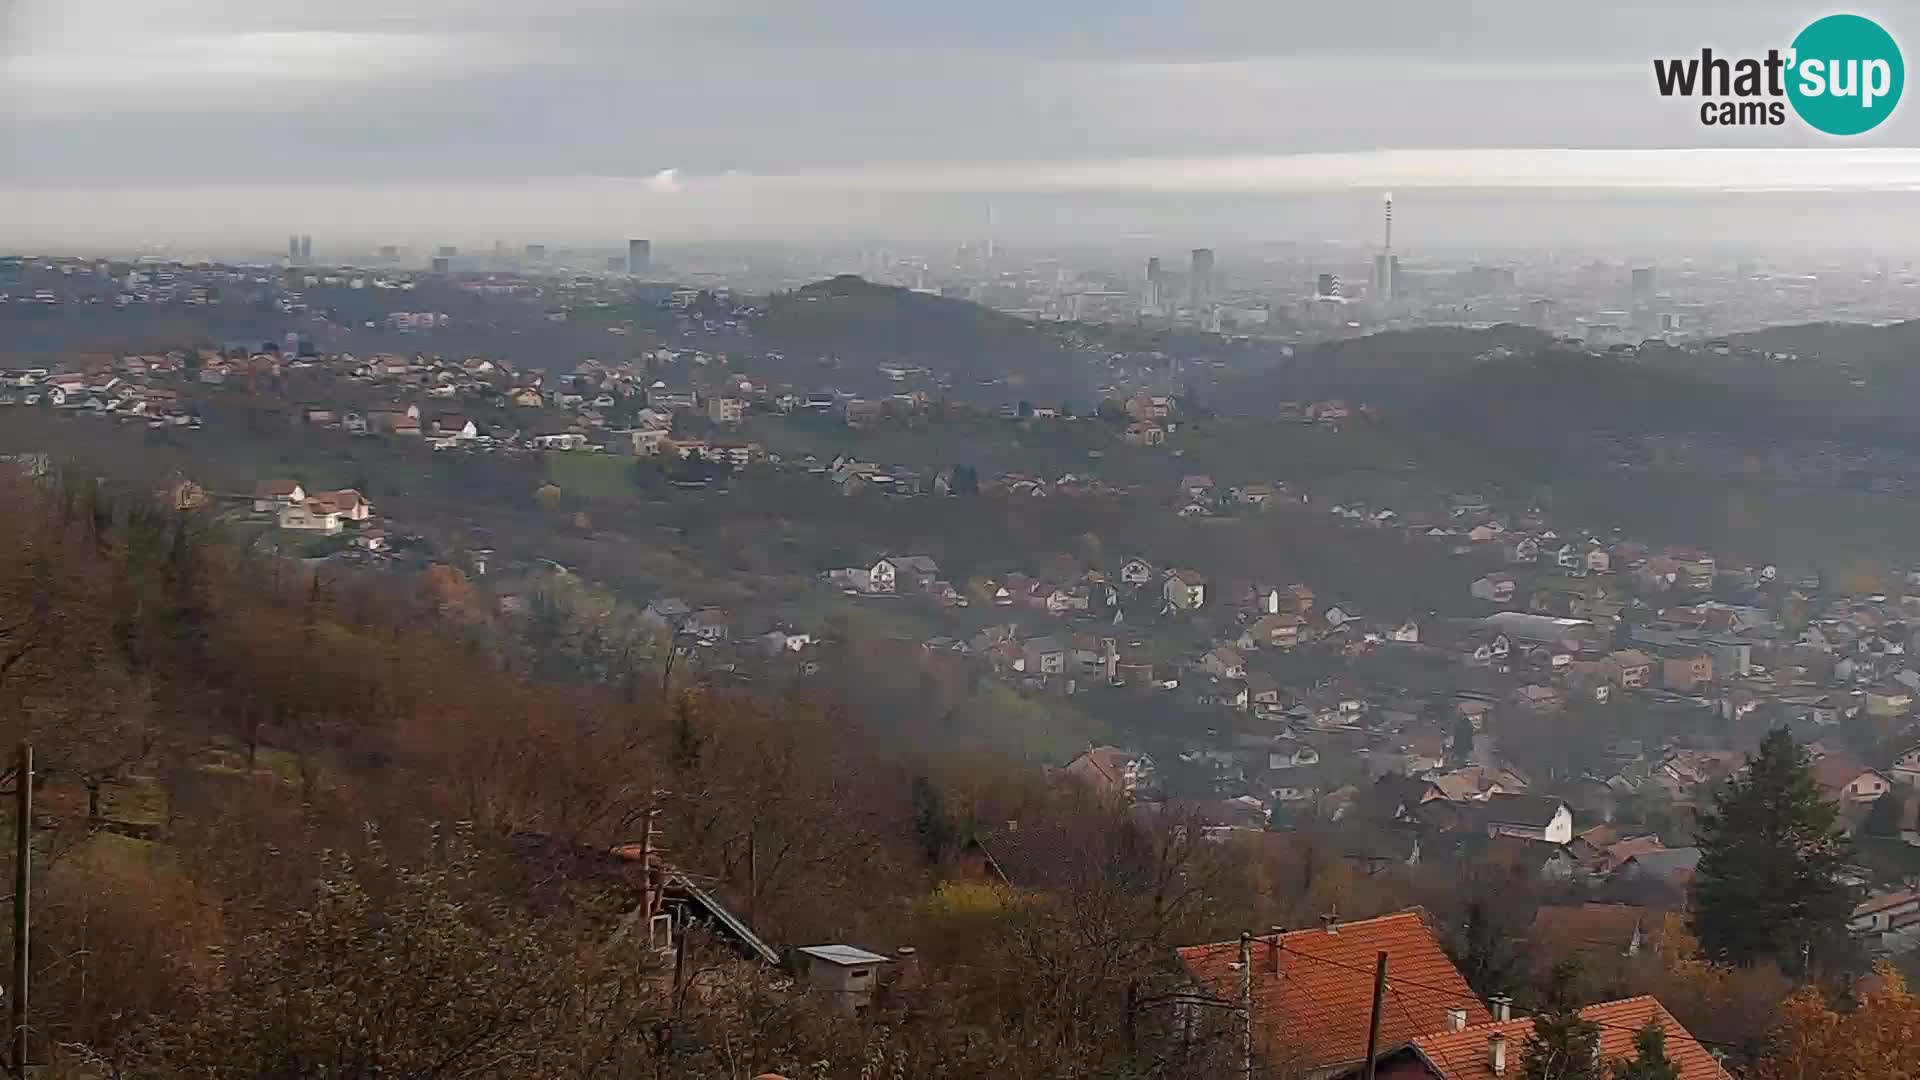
(592, 476)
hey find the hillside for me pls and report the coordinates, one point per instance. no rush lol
(864, 325)
(1389, 371)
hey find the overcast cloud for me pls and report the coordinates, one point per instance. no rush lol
(717, 102)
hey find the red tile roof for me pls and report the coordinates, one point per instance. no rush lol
(1462, 1055)
(1312, 998)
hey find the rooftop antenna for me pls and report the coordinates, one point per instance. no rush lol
(1389, 245)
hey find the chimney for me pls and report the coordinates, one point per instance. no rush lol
(1273, 950)
(1497, 1053)
(1456, 1019)
(1331, 921)
(1013, 824)
(1502, 1008)
(907, 961)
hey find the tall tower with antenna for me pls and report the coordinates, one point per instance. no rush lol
(1386, 267)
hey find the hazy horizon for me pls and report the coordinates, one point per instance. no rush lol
(429, 121)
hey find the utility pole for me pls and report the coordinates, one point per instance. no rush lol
(1246, 1005)
(22, 900)
(1379, 997)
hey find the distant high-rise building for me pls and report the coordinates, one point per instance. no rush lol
(442, 264)
(1386, 276)
(306, 250)
(447, 251)
(1153, 269)
(536, 253)
(1200, 277)
(1539, 312)
(639, 256)
(1643, 283)
(293, 249)
(1327, 286)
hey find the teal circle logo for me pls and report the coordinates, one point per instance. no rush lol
(1846, 75)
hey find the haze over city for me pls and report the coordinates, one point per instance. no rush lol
(213, 122)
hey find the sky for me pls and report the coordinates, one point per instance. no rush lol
(410, 119)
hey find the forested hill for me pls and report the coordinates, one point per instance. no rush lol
(1390, 371)
(864, 325)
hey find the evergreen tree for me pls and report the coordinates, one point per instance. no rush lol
(931, 822)
(1564, 1045)
(1489, 958)
(1461, 752)
(1883, 818)
(1650, 1061)
(1769, 854)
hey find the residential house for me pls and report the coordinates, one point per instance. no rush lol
(311, 516)
(1277, 631)
(1598, 930)
(708, 625)
(454, 426)
(726, 410)
(1185, 590)
(1464, 1050)
(1888, 701)
(1906, 767)
(1686, 670)
(1111, 771)
(269, 496)
(1224, 663)
(1145, 433)
(1043, 656)
(1529, 817)
(919, 571)
(1672, 867)
(1634, 668)
(776, 642)
(1494, 588)
(1288, 754)
(1889, 921)
(352, 505)
(667, 611)
(1844, 780)
(1312, 990)
(883, 577)
(1539, 698)
(1136, 572)
(1407, 633)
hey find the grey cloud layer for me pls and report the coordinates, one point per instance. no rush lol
(215, 89)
